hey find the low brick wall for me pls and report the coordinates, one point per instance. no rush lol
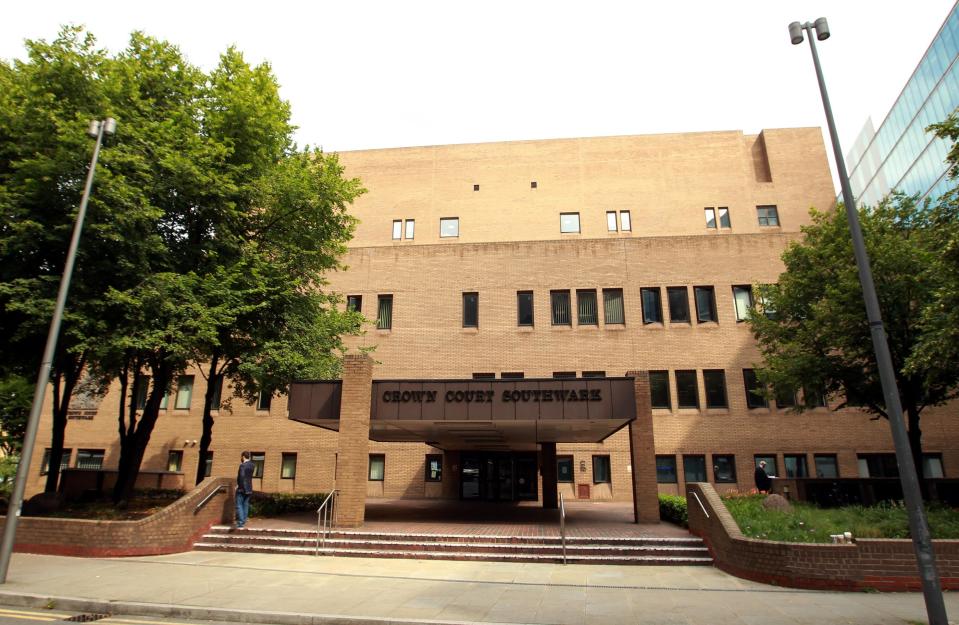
(171, 530)
(879, 564)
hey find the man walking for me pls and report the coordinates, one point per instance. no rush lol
(244, 489)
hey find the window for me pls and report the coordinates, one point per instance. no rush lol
(512, 375)
(710, 217)
(397, 229)
(724, 469)
(524, 308)
(705, 303)
(64, 460)
(288, 466)
(694, 468)
(410, 227)
(470, 310)
(559, 301)
(377, 467)
(659, 389)
(754, 390)
(686, 391)
(601, 473)
(613, 307)
(484, 376)
(772, 469)
(743, 301)
(140, 388)
(878, 465)
(625, 223)
(354, 303)
(611, 221)
(724, 217)
(564, 375)
(184, 392)
(768, 215)
(785, 397)
(259, 460)
(795, 465)
(174, 461)
(165, 401)
(449, 227)
(826, 465)
(208, 465)
(678, 304)
(932, 466)
(586, 308)
(264, 400)
(90, 459)
(814, 398)
(569, 222)
(652, 305)
(384, 312)
(715, 382)
(564, 469)
(594, 374)
(434, 468)
(217, 398)
(666, 470)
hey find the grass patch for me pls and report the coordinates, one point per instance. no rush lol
(808, 524)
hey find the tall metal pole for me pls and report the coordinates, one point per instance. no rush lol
(918, 527)
(43, 377)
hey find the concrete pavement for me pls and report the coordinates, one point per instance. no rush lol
(303, 590)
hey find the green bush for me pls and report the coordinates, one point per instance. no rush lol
(278, 504)
(672, 508)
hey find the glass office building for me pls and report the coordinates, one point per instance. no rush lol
(901, 154)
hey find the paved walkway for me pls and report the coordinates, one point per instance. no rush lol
(304, 590)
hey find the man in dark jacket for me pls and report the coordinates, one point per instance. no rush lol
(244, 488)
(763, 483)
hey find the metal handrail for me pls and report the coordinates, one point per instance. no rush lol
(325, 519)
(210, 495)
(562, 524)
(699, 501)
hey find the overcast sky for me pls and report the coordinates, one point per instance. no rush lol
(387, 74)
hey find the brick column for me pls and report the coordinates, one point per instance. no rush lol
(548, 458)
(353, 455)
(642, 453)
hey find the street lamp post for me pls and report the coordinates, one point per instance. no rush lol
(918, 527)
(97, 130)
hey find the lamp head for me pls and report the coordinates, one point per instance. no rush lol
(795, 33)
(109, 126)
(822, 29)
(94, 130)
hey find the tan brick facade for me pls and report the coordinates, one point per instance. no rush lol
(509, 241)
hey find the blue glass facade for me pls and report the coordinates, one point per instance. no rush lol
(901, 154)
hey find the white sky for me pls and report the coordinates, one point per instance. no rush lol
(365, 74)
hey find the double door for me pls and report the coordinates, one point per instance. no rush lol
(498, 476)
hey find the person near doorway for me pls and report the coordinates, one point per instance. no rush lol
(763, 480)
(244, 489)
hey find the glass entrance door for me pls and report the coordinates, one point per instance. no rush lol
(498, 476)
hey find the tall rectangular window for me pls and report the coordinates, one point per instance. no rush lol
(710, 217)
(678, 304)
(259, 461)
(743, 300)
(652, 305)
(569, 222)
(795, 465)
(449, 227)
(705, 304)
(559, 302)
(659, 389)
(625, 223)
(470, 310)
(377, 467)
(64, 461)
(434, 468)
(384, 312)
(397, 229)
(666, 470)
(694, 468)
(601, 472)
(90, 459)
(288, 466)
(724, 217)
(715, 382)
(264, 400)
(524, 308)
(354, 303)
(140, 390)
(754, 390)
(826, 465)
(410, 227)
(184, 392)
(586, 307)
(613, 307)
(724, 468)
(174, 461)
(564, 469)
(768, 215)
(611, 221)
(686, 392)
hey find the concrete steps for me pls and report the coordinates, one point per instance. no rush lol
(358, 543)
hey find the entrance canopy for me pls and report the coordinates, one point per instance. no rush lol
(479, 414)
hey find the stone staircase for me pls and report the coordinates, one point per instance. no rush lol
(370, 544)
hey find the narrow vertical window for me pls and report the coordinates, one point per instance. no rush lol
(259, 461)
(687, 392)
(611, 221)
(208, 464)
(705, 303)
(470, 310)
(724, 217)
(601, 472)
(377, 467)
(524, 308)
(678, 298)
(559, 302)
(354, 303)
(434, 468)
(659, 389)
(586, 307)
(397, 229)
(613, 307)
(410, 227)
(140, 388)
(714, 380)
(754, 390)
(625, 223)
(652, 305)
(384, 312)
(564, 469)
(174, 461)
(569, 222)
(710, 217)
(264, 400)
(288, 466)
(743, 300)
(184, 392)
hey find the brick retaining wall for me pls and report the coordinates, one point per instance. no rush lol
(171, 530)
(880, 564)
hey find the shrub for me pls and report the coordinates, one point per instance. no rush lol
(672, 508)
(278, 504)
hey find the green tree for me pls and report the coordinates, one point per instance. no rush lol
(816, 336)
(16, 395)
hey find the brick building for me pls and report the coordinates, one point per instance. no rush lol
(553, 260)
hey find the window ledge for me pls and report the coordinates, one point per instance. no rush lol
(618, 327)
(680, 324)
(654, 325)
(469, 331)
(383, 331)
(707, 324)
(562, 328)
(524, 328)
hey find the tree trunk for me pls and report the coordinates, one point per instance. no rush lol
(64, 382)
(915, 444)
(207, 436)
